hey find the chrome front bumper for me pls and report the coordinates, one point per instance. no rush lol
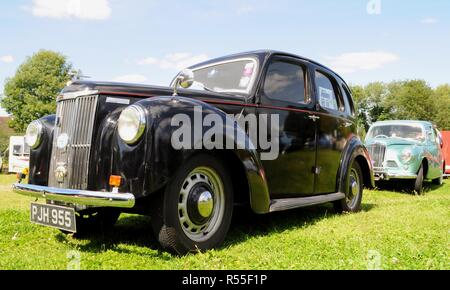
(386, 175)
(79, 197)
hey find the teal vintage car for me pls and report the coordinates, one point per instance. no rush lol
(406, 150)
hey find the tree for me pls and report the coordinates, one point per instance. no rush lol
(409, 100)
(369, 101)
(402, 100)
(442, 100)
(5, 133)
(31, 93)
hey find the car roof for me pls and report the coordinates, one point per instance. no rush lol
(264, 54)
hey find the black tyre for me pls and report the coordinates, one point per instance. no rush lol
(97, 221)
(418, 183)
(197, 207)
(355, 187)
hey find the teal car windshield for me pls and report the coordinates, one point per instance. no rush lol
(410, 132)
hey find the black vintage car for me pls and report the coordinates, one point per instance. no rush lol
(109, 149)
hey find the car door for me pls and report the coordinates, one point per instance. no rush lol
(286, 92)
(334, 128)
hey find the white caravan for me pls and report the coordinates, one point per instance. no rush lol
(19, 154)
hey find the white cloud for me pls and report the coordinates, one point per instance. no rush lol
(245, 9)
(358, 61)
(131, 79)
(175, 61)
(81, 9)
(7, 59)
(429, 21)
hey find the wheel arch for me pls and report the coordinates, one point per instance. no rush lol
(426, 168)
(355, 151)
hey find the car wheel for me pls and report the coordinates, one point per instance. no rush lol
(353, 196)
(418, 184)
(197, 207)
(91, 222)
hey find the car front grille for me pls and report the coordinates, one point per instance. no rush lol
(377, 153)
(74, 117)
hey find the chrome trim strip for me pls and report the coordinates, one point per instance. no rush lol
(292, 203)
(78, 197)
(74, 95)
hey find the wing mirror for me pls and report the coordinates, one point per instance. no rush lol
(185, 79)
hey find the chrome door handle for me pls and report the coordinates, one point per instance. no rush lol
(348, 124)
(314, 118)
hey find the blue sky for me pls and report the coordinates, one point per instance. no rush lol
(150, 40)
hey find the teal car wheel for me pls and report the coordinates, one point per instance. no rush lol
(418, 183)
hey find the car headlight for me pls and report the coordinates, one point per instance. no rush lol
(33, 136)
(406, 156)
(131, 124)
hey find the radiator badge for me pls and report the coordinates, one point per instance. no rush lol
(62, 141)
(60, 173)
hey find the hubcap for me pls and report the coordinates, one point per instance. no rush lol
(201, 204)
(205, 204)
(354, 190)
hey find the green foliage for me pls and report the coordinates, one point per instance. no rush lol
(31, 93)
(5, 133)
(403, 100)
(442, 99)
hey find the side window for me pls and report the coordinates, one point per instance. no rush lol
(26, 151)
(285, 81)
(17, 150)
(438, 134)
(430, 133)
(349, 105)
(325, 92)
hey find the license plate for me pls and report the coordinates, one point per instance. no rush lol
(59, 217)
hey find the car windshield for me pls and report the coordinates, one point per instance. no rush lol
(397, 131)
(231, 76)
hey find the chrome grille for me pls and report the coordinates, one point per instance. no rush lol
(377, 153)
(75, 117)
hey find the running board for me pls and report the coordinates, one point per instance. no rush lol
(291, 203)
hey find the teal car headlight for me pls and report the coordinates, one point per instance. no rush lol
(406, 156)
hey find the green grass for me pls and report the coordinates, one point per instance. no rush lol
(408, 232)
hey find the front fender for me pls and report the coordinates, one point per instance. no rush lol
(157, 160)
(40, 157)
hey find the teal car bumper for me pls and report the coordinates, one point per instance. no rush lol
(398, 172)
(387, 174)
